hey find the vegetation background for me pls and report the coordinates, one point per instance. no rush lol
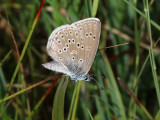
(133, 68)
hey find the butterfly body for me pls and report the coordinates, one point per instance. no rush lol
(73, 48)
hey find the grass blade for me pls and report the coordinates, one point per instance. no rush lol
(4, 59)
(94, 8)
(99, 108)
(139, 12)
(76, 99)
(26, 89)
(152, 59)
(90, 114)
(25, 47)
(72, 103)
(58, 104)
(43, 98)
(115, 94)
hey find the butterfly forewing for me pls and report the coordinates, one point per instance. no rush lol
(56, 66)
(90, 29)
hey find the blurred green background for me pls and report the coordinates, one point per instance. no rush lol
(136, 64)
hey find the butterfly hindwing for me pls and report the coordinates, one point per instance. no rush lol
(66, 47)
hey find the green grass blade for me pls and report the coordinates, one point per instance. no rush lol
(24, 48)
(4, 59)
(58, 104)
(99, 109)
(139, 12)
(94, 8)
(26, 89)
(22, 54)
(90, 114)
(76, 99)
(88, 7)
(157, 117)
(42, 99)
(3, 86)
(156, 83)
(115, 94)
(132, 105)
(72, 102)
(152, 59)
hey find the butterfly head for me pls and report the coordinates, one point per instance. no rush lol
(87, 77)
(84, 77)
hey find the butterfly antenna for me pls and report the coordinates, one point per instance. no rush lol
(97, 83)
(97, 75)
(114, 46)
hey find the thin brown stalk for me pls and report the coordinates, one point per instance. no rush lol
(128, 38)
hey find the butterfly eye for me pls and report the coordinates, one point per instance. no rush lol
(86, 79)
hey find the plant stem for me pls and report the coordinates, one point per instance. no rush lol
(76, 99)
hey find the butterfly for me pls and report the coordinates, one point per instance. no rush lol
(73, 48)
